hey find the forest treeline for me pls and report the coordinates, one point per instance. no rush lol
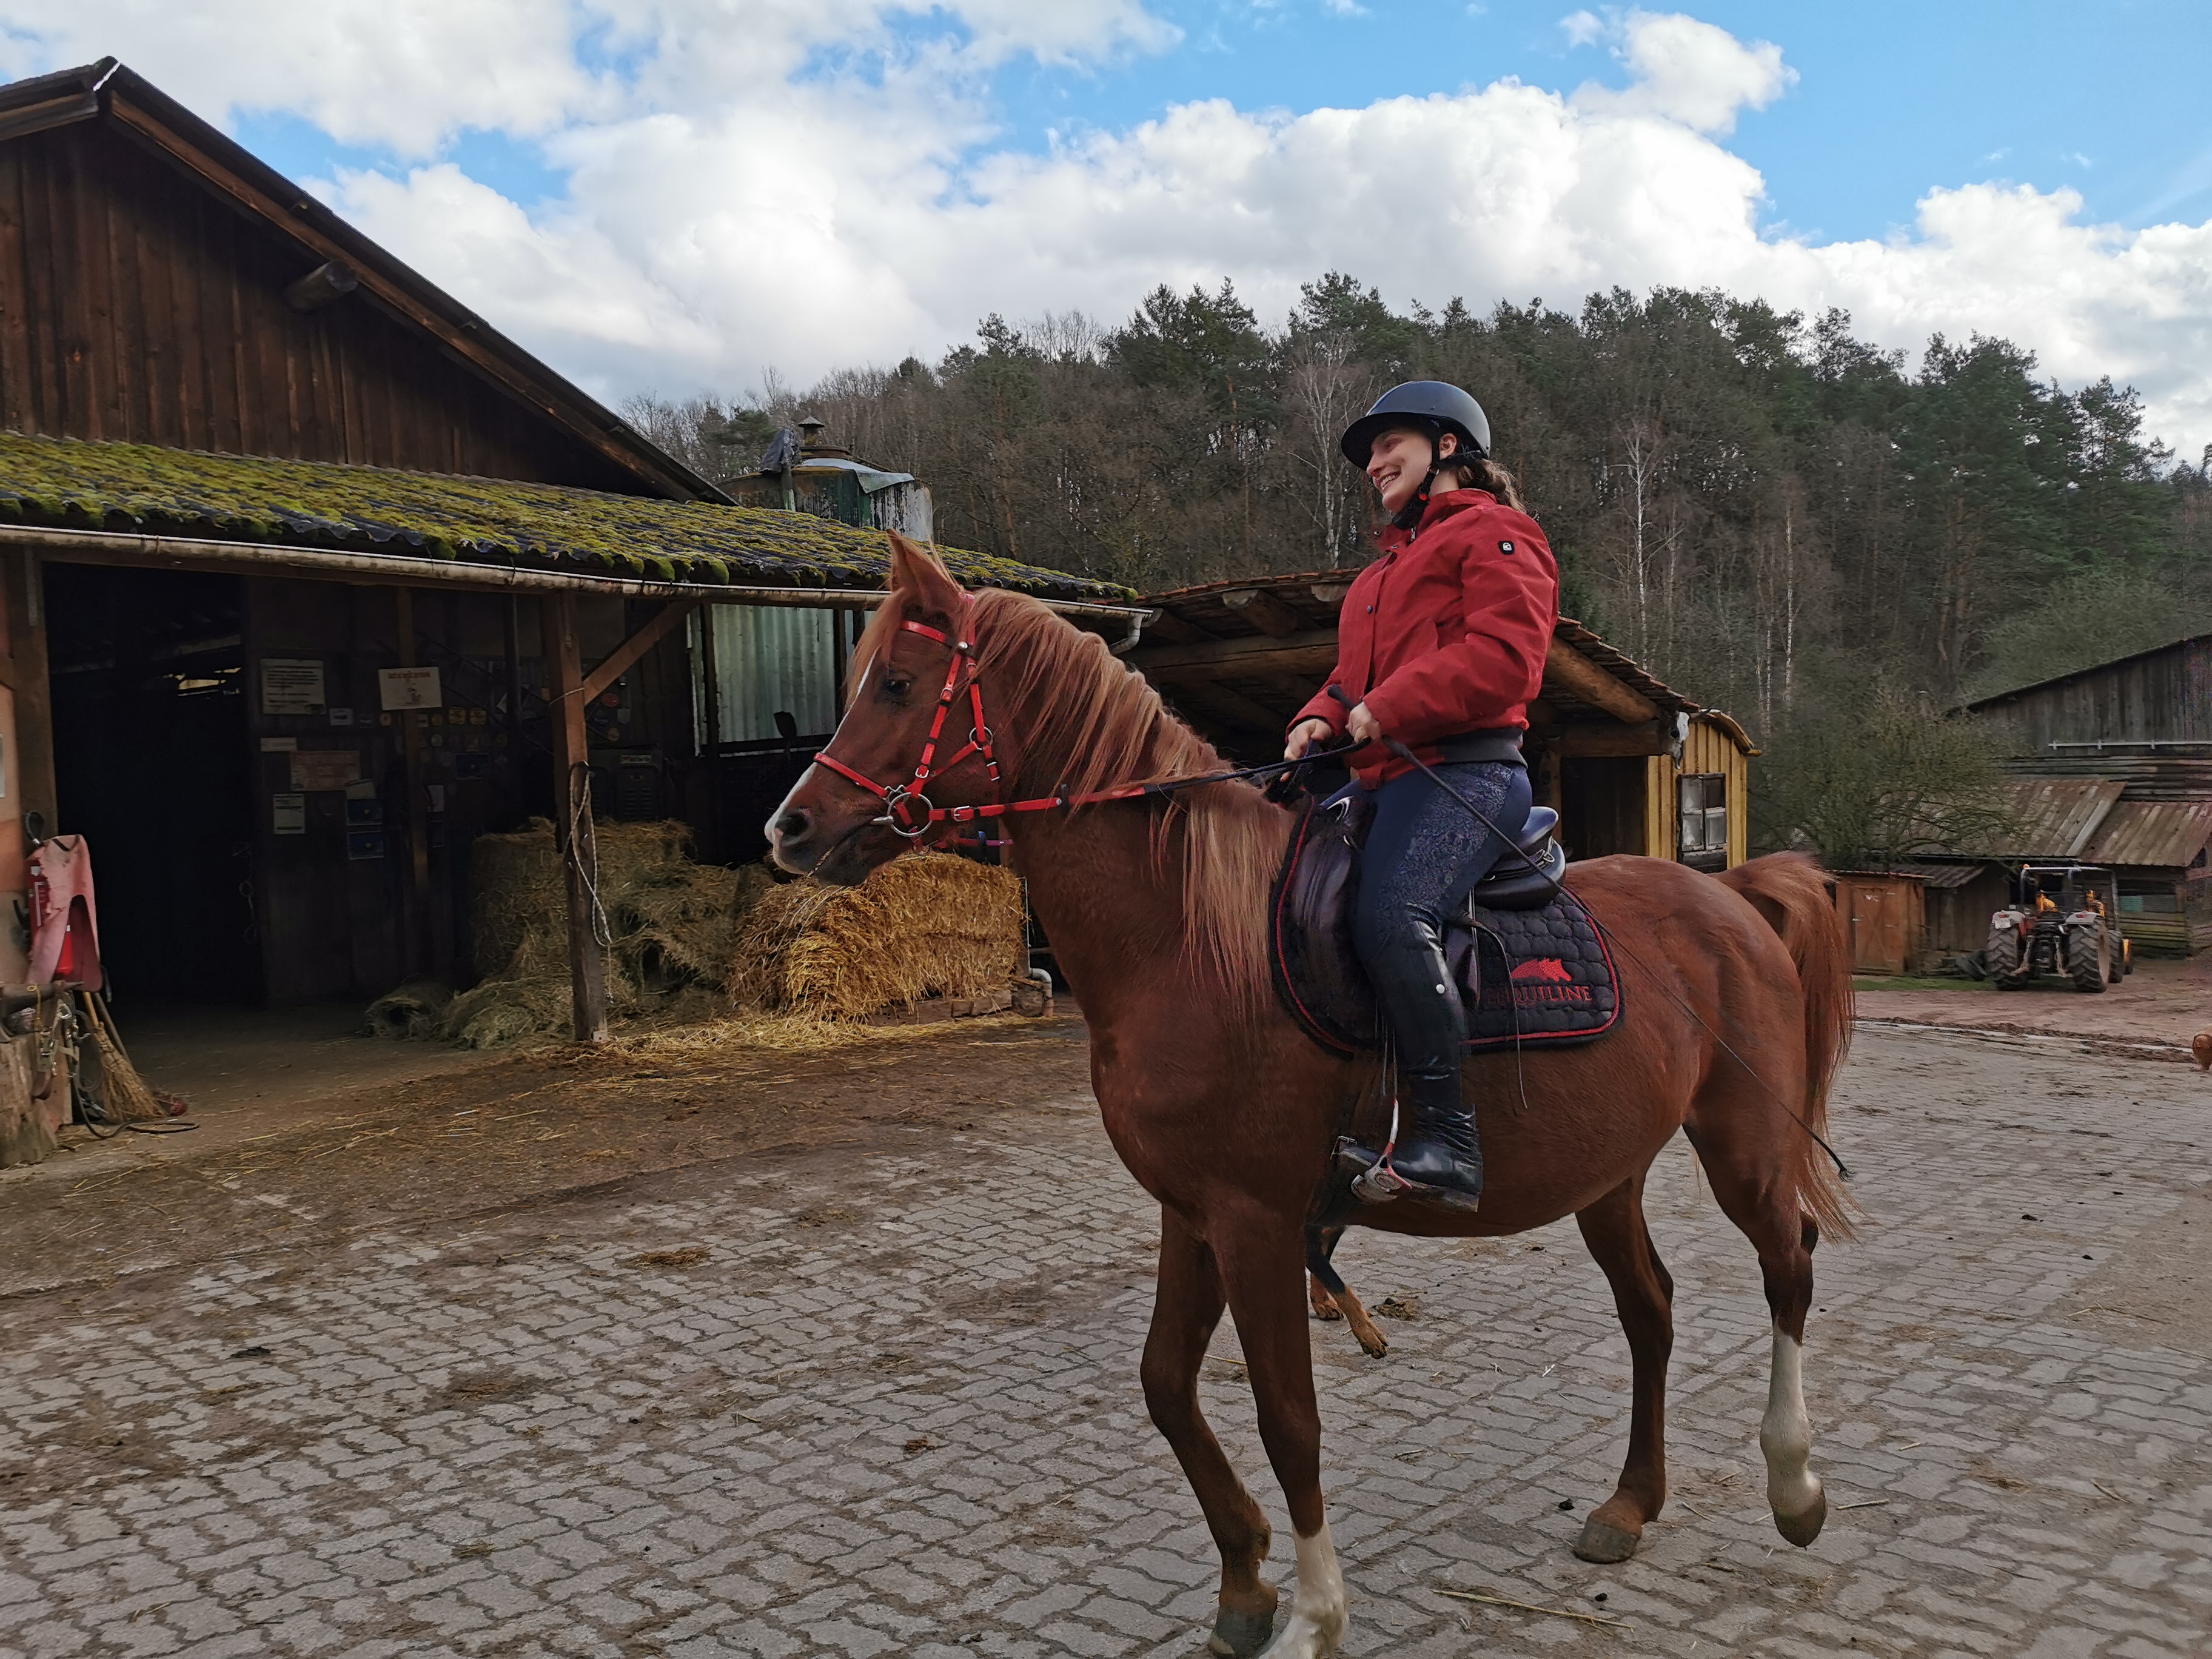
(1763, 507)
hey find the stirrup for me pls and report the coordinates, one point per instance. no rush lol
(1375, 1181)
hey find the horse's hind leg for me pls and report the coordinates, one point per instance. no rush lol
(1331, 1297)
(1643, 1291)
(1184, 1313)
(1762, 1200)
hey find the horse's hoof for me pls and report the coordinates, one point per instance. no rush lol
(1803, 1529)
(1603, 1542)
(1240, 1635)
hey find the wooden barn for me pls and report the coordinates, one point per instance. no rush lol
(2112, 765)
(1630, 764)
(310, 577)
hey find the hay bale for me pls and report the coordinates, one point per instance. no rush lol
(503, 1011)
(923, 925)
(416, 1009)
(672, 921)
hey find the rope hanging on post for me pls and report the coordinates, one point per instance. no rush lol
(580, 820)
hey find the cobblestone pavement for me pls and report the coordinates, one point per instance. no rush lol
(899, 1414)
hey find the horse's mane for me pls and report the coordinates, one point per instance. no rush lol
(1089, 721)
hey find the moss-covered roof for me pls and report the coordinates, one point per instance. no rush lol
(148, 490)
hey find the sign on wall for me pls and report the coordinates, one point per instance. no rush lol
(292, 685)
(408, 687)
(325, 769)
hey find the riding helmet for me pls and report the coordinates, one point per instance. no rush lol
(1437, 405)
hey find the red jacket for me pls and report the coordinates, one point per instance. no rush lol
(1446, 633)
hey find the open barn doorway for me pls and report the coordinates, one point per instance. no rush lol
(1601, 804)
(152, 766)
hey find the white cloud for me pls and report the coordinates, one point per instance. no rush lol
(758, 183)
(1682, 70)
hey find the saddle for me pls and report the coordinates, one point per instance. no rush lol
(1530, 965)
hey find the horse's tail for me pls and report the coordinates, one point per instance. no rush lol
(1790, 891)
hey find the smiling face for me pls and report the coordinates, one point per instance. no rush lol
(830, 827)
(1398, 463)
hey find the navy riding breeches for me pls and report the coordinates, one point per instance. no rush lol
(1424, 854)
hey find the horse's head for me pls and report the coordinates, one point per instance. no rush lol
(833, 827)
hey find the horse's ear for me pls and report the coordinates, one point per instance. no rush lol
(926, 590)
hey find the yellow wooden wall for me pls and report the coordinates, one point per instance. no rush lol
(1706, 749)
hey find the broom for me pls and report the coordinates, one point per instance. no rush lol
(129, 1098)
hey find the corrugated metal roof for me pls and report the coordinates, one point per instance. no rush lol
(2055, 818)
(1940, 877)
(2170, 833)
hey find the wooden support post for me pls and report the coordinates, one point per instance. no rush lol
(572, 802)
(418, 951)
(35, 712)
(512, 637)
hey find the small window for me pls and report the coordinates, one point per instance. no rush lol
(1703, 797)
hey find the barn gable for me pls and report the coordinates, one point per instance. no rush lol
(151, 272)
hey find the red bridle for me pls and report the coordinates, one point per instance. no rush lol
(908, 808)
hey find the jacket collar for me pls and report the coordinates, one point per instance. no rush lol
(1439, 508)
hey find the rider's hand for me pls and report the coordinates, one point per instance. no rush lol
(1304, 735)
(1362, 724)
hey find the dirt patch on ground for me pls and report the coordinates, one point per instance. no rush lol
(501, 1132)
(2161, 1003)
(2157, 1290)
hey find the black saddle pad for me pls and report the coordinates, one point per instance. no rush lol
(1541, 975)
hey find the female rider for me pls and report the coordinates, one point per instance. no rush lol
(1440, 646)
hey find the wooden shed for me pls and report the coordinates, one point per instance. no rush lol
(1632, 765)
(1884, 913)
(310, 576)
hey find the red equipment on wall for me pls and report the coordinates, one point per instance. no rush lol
(64, 915)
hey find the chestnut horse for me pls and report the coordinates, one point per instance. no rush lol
(1227, 1113)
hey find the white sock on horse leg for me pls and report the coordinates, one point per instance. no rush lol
(1316, 1623)
(1786, 1433)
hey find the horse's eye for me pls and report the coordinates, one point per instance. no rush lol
(896, 689)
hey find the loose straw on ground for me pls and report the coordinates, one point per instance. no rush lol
(1598, 1618)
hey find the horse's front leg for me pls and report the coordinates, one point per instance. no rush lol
(1184, 1313)
(1263, 1268)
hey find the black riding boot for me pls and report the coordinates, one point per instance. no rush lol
(1437, 1151)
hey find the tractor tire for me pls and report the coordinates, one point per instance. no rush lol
(2001, 956)
(2088, 954)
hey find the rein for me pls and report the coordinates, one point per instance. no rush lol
(908, 808)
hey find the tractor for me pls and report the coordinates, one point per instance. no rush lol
(2062, 923)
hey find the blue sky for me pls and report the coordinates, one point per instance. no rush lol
(736, 188)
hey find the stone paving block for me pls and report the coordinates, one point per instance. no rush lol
(702, 1469)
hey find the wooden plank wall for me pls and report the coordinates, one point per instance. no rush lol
(136, 306)
(2165, 695)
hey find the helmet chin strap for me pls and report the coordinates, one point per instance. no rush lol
(1408, 517)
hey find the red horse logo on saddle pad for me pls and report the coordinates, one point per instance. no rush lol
(1541, 982)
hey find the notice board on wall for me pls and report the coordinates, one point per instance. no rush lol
(292, 685)
(408, 687)
(325, 769)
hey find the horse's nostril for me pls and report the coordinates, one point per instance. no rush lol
(793, 823)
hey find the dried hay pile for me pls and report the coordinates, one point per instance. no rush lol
(671, 922)
(922, 926)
